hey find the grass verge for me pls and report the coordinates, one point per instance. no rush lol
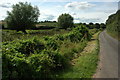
(85, 65)
(114, 35)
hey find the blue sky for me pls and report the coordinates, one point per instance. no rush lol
(82, 10)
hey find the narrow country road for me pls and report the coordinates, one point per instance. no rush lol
(108, 64)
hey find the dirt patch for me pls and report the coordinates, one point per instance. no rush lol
(91, 45)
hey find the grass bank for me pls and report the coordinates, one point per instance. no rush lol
(114, 35)
(84, 66)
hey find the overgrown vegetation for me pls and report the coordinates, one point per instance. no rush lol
(42, 57)
(12, 35)
(85, 64)
(113, 25)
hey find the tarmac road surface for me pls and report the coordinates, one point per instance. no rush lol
(108, 64)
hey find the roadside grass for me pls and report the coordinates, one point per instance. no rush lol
(114, 35)
(86, 63)
(71, 50)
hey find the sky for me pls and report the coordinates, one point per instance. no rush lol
(85, 11)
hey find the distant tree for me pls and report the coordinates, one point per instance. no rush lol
(90, 25)
(65, 21)
(2, 24)
(102, 25)
(80, 23)
(97, 25)
(54, 21)
(22, 16)
(84, 24)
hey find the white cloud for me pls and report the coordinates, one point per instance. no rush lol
(119, 5)
(91, 17)
(87, 20)
(49, 17)
(5, 5)
(78, 5)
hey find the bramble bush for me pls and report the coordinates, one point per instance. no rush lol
(52, 44)
(39, 62)
(30, 46)
(35, 58)
(78, 33)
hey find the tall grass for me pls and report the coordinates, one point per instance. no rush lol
(84, 66)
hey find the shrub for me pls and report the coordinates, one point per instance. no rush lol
(30, 46)
(41, 65)
(74, 36)
(51, 43)
(78, 33)
(34, 58)
(58, 60)
(14, 65)
(59, 37)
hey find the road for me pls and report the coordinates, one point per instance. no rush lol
(108, 64)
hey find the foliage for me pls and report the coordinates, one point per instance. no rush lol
(51, 43)
(84, 66)
(78, 33)
(30, 46)
(113, 25)
(93, 31)
(22, 17)
(39, 62)
(59, 37)
(65, 21)
(12, 35)
(34, 58)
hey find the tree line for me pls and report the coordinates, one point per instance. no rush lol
(24, 16)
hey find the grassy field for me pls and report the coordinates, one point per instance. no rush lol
(47, 24)
(10, 35)
(84, 66)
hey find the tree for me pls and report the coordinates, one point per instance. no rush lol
(65, 21)
(23, 16)
(3, 27)
(97, 25)
(102, 25)
(91, 25)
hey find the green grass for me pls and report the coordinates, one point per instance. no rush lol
(10, 35)
(70, 50)
(48, 24)
(114, 35)
(84, 67)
